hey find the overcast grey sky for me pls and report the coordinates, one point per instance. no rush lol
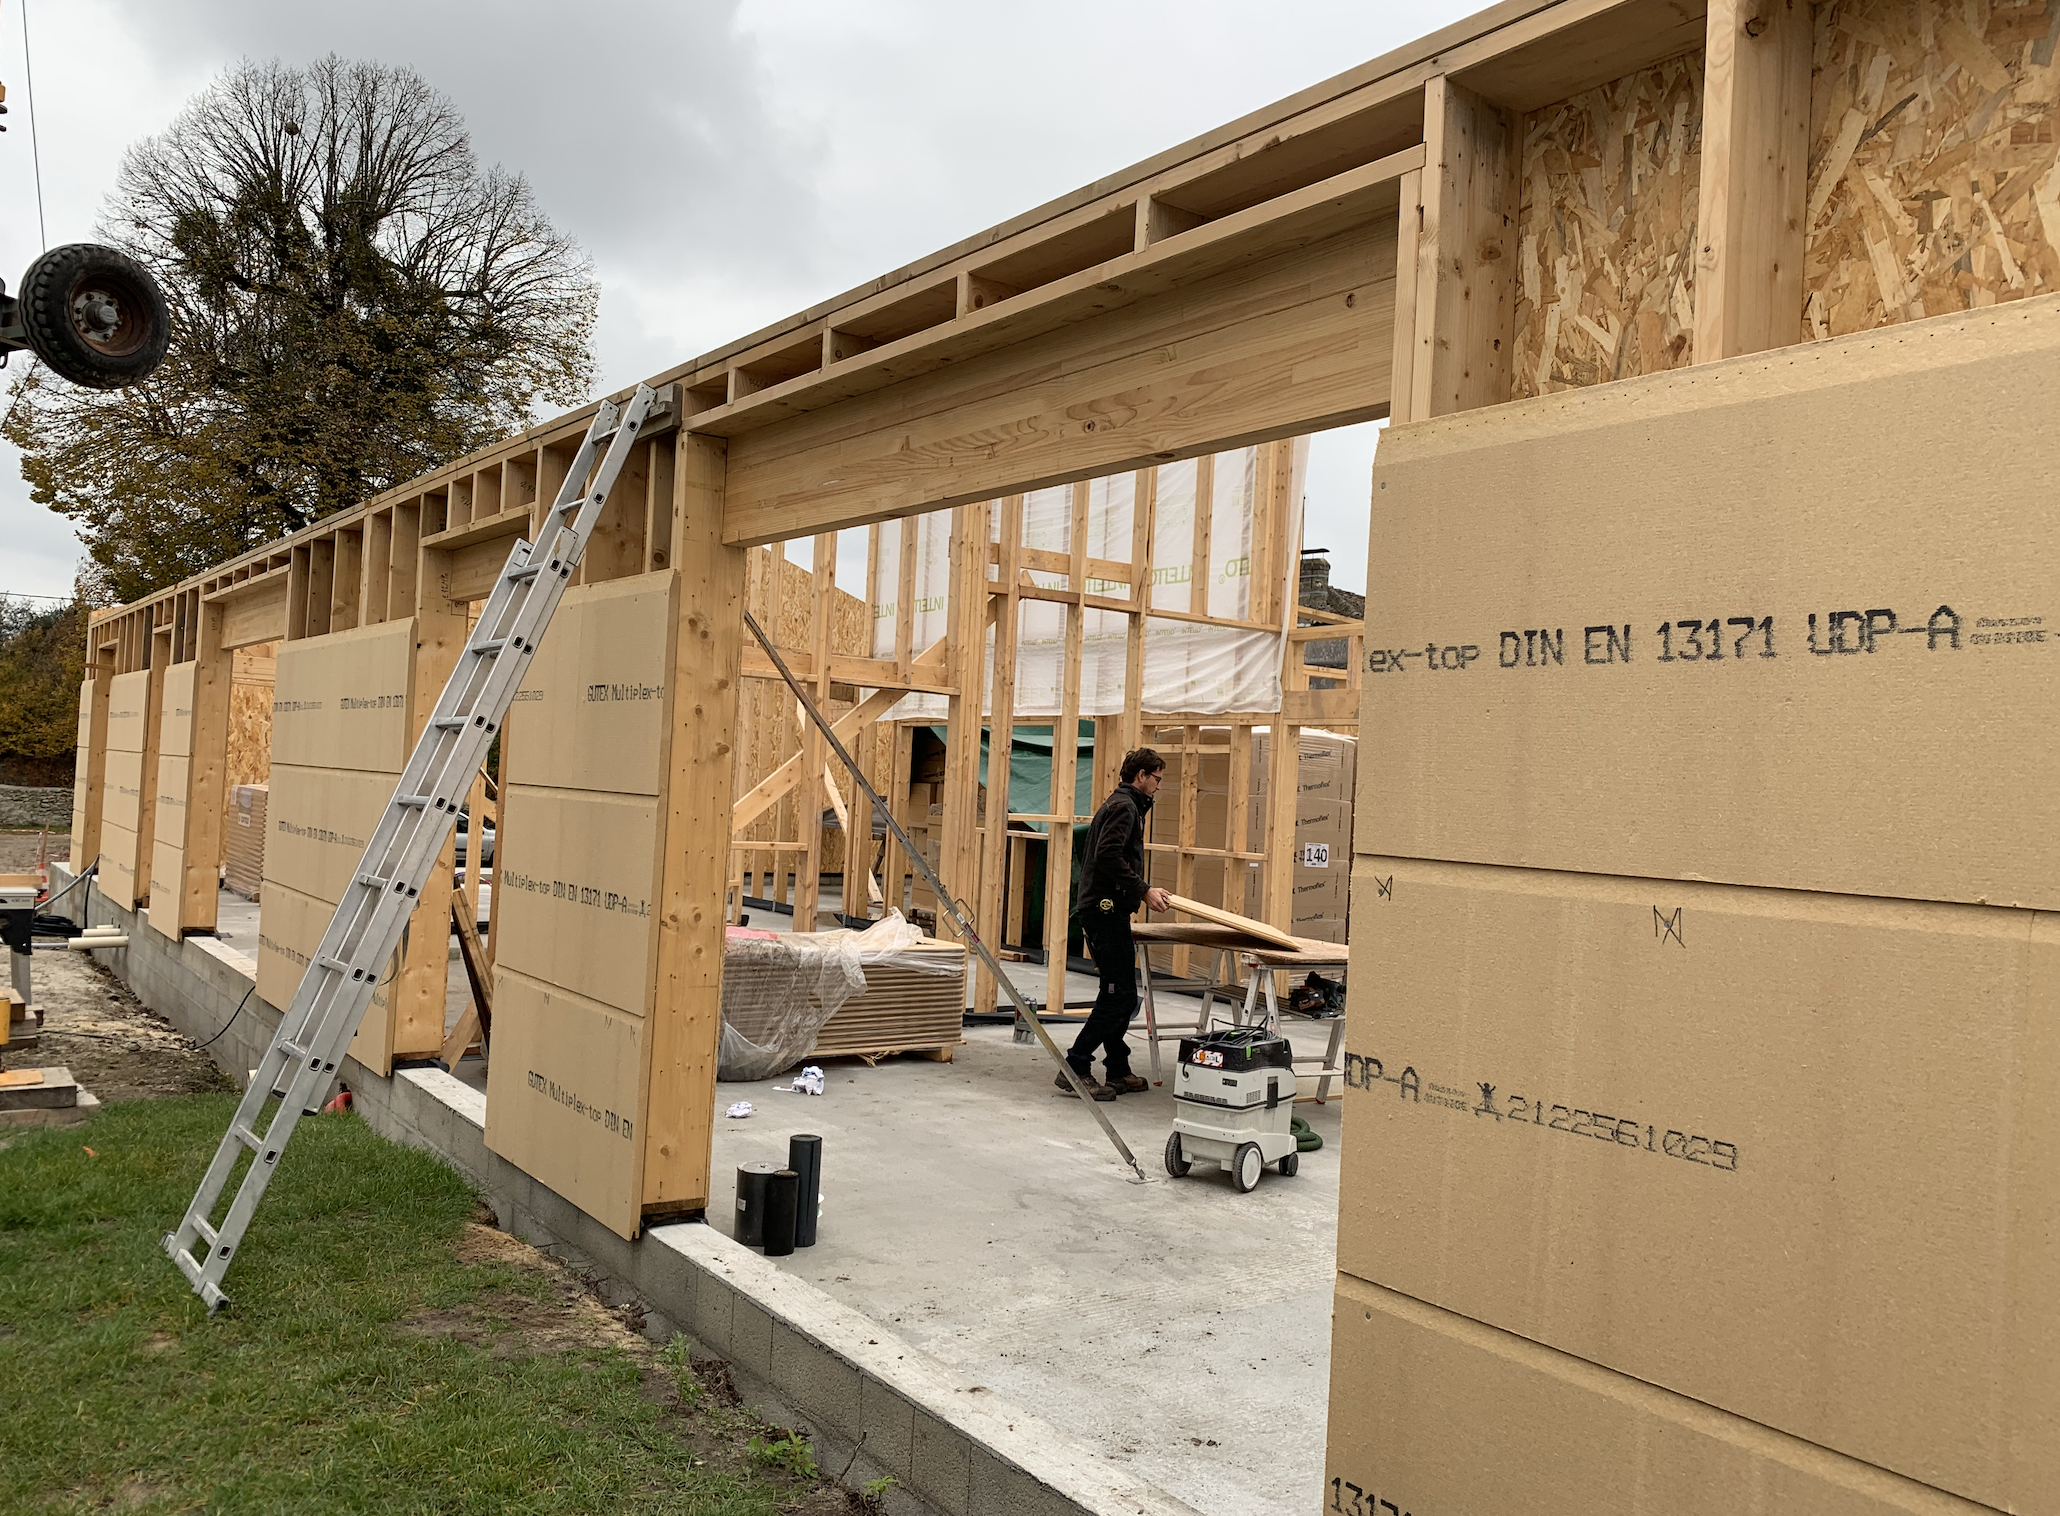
(726, 162)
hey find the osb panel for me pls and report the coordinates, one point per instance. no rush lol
(250, 714)
(1934, 160)
(1606, 230)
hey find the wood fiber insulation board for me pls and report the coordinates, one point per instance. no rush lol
(1934, 160)
(1433, 1412)
(1606, 230)
(175, 712)
(82, 779)
(289, 932)
(117, 877)
(167, 852)
(317, 823)
(577, 879)
(123, 806)
(167, 877)
(174, 775)
(576, 876)
(1788, 1154)
(340, 701)
(168, 840)
(565, 1093)
(1521, 706)
(128, 708)
(586, 714)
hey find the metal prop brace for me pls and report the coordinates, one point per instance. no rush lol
(961, 918)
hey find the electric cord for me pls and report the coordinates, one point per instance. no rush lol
(231, 1021)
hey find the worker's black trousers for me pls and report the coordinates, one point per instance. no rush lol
(1115, 1002)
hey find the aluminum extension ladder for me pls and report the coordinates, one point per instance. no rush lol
(318, 1027)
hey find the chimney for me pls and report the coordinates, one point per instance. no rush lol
(1315, 586)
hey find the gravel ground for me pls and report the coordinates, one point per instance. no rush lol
(18, 850)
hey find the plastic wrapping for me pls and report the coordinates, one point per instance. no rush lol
(1188, 666)
(778, 990)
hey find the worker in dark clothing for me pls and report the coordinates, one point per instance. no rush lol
(1112, 886)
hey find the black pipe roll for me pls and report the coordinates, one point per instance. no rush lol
(805, 1157)
(782, 1193)
(751, 1183)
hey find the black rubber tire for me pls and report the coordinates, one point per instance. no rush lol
(1246, 1165)
(1176, 1165)
(1289, 1164)
(58, 296)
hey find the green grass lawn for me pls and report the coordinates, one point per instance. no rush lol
(379, 1356)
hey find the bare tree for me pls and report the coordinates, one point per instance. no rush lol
(354, 299)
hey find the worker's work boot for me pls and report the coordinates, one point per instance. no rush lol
(1128, 1084)
(1098, 1091)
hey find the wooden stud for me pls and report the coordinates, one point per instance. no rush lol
(346, 581)
(1200, 568)
(686, 1017)
(976, 293)
(378, 566)
(808, 794)
(658, 498)
(416, 1001)
(1466, 254)
(208, 771)
(1065, 761)
(1755, 177)
(1143, 519)
(321, 585)
(297, 594)
(1156, 221)
(1001, 737)
(959, 845)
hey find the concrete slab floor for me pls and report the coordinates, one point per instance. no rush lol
(1176, 1326)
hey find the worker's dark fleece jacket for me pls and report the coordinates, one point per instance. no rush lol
(1114, 869)
(1112, 887)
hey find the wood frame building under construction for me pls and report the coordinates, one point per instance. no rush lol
(1580, 220)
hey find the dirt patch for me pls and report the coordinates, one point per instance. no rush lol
(554, 1310)
(19, 850)
(564, 1317)
(114, 1045)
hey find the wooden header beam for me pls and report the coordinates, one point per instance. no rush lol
(1191, 259)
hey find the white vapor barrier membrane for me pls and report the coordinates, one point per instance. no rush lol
(1187, 667)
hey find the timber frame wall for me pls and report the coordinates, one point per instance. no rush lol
(1542, 195)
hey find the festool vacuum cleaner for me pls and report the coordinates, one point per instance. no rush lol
(1234, 1103)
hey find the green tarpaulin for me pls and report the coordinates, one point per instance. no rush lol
(1030, 771)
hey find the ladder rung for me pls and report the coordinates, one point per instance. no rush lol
(335, 965)
(527, 571)
(294, 1051)
(450, 723)
(375, 881)
(246, 1136)
(412, 800)
(484, 648)
(207, 1233)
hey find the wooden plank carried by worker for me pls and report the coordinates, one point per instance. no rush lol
(1215, 915)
